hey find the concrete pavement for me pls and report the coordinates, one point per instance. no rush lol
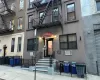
(16, 73)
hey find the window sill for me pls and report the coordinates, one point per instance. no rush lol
(68, 49)
(97, 12)
(67, 22)
(19, 29)
(21, 10)
(30, 8)
(29, 29)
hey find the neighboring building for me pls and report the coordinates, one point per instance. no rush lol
(59, 29)
(91, 26)
(12, 24)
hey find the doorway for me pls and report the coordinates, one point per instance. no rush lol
(49, 47)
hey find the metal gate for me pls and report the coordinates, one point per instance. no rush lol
(97, 43)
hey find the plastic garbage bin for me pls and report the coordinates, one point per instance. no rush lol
(17, 61)
(12, 61)
(73, 68)
(80, 70)
(66, 67)
(61, 68)
(7, 60)
(0, 60)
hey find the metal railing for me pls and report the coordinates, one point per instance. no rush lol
(3, 8)
(49, 19)
(9, 26)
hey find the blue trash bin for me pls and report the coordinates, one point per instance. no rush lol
(73, 68)
(17, 61)
(66, 68)
(12, 62)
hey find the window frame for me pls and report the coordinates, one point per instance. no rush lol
(28, 20)
(20, 4)
(56, 15)
(19, 50)
(40, 17)
(13, 45)
(33, 44)
(11, 24)
(96, 5)
(29, 5)
(19, 23)
(68, 42)
(71, 12)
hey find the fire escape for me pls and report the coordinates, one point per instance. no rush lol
(5, 11)
(45, 19)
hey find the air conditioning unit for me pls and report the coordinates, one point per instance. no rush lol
(13, 7)
(68, 52)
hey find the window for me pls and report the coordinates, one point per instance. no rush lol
(19, 44)
(12, 44)
(55, 15)
(0, 1)
(43, 1)
(20, 23)
(68, 41)
(71, 12)
(41, 14)
(31, 3)
(32, 44)
(21, 4)
(11, 24)
(98, 5)
(30, 17)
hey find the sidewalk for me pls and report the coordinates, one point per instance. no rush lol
(9, 73)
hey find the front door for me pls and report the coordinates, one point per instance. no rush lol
(49, 45)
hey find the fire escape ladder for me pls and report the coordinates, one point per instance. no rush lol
(3, 21)
(6, 5)
(45, 12)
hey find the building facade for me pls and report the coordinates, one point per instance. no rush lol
(12, 25)
(59, 29)
(91, 26)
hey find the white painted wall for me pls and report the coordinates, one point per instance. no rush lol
(88, 7)
(6, 40)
